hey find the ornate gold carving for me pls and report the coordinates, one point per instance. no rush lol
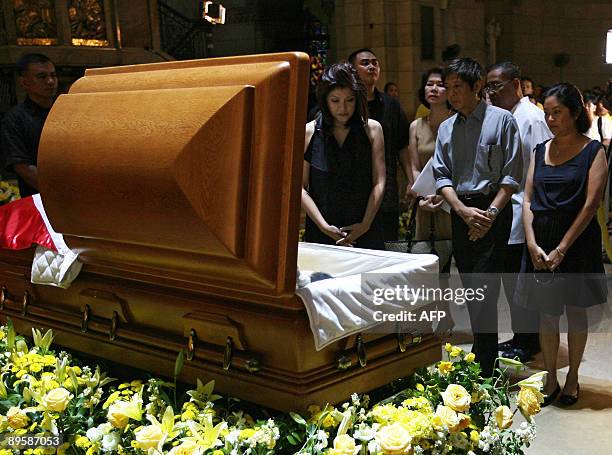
(35, 22)
(87, 22)
(90, 42)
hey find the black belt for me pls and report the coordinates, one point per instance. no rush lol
(477, 197)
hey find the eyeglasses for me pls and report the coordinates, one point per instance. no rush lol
(494, 87)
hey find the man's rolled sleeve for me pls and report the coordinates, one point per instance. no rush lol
(442, 163)
(512, 172)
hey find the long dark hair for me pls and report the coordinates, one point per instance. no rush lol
(570, 97)
(342, 75)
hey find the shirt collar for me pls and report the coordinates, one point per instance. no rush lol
(523, 100)
(33, 106)
(477, 113)
(378, 97)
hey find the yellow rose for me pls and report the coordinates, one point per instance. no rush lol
(448, 347)
(456, 397)
(470, 357)
(529, 400)
(149, 437)
(56, 399)
(394, 439)
(474, 436)
(16, 418)
(445, 416)
(464, 421)
(116, 415)
(445, 367)
(503, 417)
(343, 445)
(456, 351)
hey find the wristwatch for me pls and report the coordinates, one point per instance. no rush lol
(494, 211)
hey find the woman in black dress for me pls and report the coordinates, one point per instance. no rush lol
(564, 186)
(344, 165)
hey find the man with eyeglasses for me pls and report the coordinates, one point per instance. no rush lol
(387, 111)
(504, 90)
(477, 166)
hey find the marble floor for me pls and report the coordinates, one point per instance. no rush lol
(586, 427)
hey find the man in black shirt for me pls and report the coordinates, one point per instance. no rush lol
(22, 125)
(386, 110)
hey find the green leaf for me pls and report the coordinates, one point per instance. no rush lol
(180, 361)
(298, 418)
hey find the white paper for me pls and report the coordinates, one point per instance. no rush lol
(425, 184)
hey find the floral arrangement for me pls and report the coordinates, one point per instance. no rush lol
(446, 409)
(8, 192)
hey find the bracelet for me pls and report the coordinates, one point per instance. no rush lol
(560, 252)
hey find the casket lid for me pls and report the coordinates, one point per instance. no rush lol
(185, 174)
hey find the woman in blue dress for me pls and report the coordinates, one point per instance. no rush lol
(564, 187)
(344, 165)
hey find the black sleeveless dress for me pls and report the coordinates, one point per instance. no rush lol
(340, 184)
(559, 193)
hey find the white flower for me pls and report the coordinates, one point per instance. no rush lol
(94, 434)
(321, 440)
(373, 446)
(355, 399)
(364, 432)
(232, 437)
(110, 442)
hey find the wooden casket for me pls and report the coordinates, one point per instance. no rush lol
(178, 184)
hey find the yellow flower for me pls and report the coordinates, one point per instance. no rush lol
(456, 351)
(448, 347)
(1, 335)
(329, 421)
(529, 400)
(218, 452)
(149, 437)
(36, 367)
(343, 445)
(16, 418)
(470, 357)
(445, 416)
(82, 442)
(420, 387)
(445, 367)
(474, 436)
(116, 416)
(534, 382)
(111, 399)
(247, 433)
(56, 400)
(456, 397)
(124, 385)
(394, 439)
(503, 417)
(186, 448)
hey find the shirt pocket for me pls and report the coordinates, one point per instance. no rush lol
(490, 159)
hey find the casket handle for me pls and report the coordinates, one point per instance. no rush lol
(112, 335)
(407, 339)
(191, 344)
(85, 316)
(361, 352)
(25, 303)
(3, 296)
(228, 353)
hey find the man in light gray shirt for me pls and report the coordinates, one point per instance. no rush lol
(478, 165)
(504, 90)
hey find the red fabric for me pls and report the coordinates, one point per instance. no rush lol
(21, 226)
